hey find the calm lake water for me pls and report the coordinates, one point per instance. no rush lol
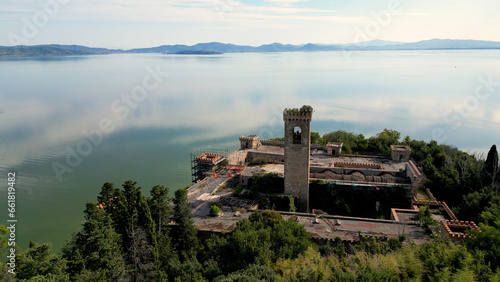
(48, 106)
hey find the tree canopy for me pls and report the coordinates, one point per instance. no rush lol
(127, 236)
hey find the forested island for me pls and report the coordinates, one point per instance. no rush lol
(199, 52)
(129, 235)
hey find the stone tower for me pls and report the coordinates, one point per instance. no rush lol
(297, 151)
(249, 142)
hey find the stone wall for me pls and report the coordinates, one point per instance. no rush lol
(436, 203)
(278, 158)
(237, 157)
(446, 226)
(273, 143)
(357, 165)
(416, 177)
(346, 170)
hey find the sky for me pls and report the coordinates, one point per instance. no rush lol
(130, 24)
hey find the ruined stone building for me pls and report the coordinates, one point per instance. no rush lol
(299, 161)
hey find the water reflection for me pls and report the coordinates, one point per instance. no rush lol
(208, 101)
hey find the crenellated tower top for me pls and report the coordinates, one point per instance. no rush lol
(302, 114)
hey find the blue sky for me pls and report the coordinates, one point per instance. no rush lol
(147, 23)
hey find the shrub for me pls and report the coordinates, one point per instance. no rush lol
(214, 210)
(235, 209)
(221, 188)
(237, 191)
(426, 220)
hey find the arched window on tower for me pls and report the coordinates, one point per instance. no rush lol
(297, 135)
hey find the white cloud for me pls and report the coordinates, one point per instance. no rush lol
(496, 116)
(284, 10)
(286, 2)
(98, 21)
(413, 14)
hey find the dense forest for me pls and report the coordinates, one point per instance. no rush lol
(129, 236)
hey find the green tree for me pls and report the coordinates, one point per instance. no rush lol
(488, 240)
(425, 219)
(160, 211)
(212, 254)
(3, 242)
(39, 262)
(289, 239)
(4, 268)
(315, 138)
(306, 109)
(382, 142)
(246, 245)
(444, 259)
(480, 206)
(491, 213)
(491, 165)
(188, 270)
(277, 202)
(303, 110)
(337, 247)
(118, 211)
(107, 194)
(95, 252)
(252, 273)
(389, 136)
(185, 234)
(143, 249)
(352, 143)
(266, 218)
(132, 195)
(268, 183)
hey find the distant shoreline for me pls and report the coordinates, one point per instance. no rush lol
(216, 48)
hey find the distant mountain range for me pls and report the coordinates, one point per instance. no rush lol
(217, 47)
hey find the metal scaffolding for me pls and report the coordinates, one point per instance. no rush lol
(204, 162)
